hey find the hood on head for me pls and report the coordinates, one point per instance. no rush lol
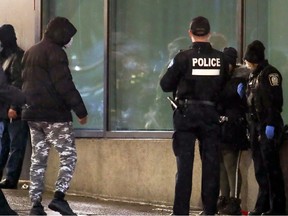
(230, 55)
(60, 30)
(7, 36)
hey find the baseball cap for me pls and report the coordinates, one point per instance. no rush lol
(200, 26)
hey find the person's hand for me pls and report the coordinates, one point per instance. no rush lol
(240, 90)
(12, 114)
(269, 131)
(83, 120)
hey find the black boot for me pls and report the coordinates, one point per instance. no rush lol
(4, 206)
(274, 212)
(37, 209)
(60, 205)
(221, 203)
(257, 211)
(232, 207)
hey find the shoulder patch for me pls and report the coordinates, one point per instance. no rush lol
(274, 79)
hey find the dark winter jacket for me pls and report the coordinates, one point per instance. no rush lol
(47, 80)
(265, 94)
(234, 129)
(8, 95)
(235, 106)
(10, 59)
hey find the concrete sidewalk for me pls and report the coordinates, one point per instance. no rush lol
(19, 201)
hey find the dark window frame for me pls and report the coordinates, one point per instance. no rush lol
(105, 133)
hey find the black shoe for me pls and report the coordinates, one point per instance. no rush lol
(273, 212)
(256, 212)
(204, 213)
(221, 203)
(5, 211)
(37, 209)
(61, 206)
(8, 184)
(232, 207)
(5, 208)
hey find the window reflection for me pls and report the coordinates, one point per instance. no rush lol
(86, 55)
(144, 37)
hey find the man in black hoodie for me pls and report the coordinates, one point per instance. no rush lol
(51, 96)
(8, 95)
(16, 131)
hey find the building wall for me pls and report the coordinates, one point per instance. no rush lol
(121, 169)
(138, 171)
(25, 17)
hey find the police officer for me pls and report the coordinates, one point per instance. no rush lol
(265, 100)
(196, 77)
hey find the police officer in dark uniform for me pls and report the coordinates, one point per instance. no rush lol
(265, 100)
(196, 77)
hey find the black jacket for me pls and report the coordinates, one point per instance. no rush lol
(198, 73)
(264, 94)
(10, 59)
(47, 80)
(8, 95)
(234, 129)
(11, 63)
(234, 106)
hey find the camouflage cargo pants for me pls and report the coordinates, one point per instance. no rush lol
(43, 136)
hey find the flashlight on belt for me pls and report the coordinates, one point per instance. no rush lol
(223, 119)
(173, 102)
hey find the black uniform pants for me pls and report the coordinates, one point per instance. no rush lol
(196, 122)
(268, 173)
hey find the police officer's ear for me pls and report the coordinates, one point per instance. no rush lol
(192, 37)
(209, 35)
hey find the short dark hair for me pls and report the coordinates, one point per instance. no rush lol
(200, 26)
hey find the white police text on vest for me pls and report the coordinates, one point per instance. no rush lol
(206, 62)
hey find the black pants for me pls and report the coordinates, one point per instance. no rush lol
(14, 143)
(196, 122)
(268, 173)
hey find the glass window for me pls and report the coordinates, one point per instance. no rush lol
(143, 37)
(86, 55)
(265, 21)
(277, 44)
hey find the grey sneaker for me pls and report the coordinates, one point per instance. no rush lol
(61, 206)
